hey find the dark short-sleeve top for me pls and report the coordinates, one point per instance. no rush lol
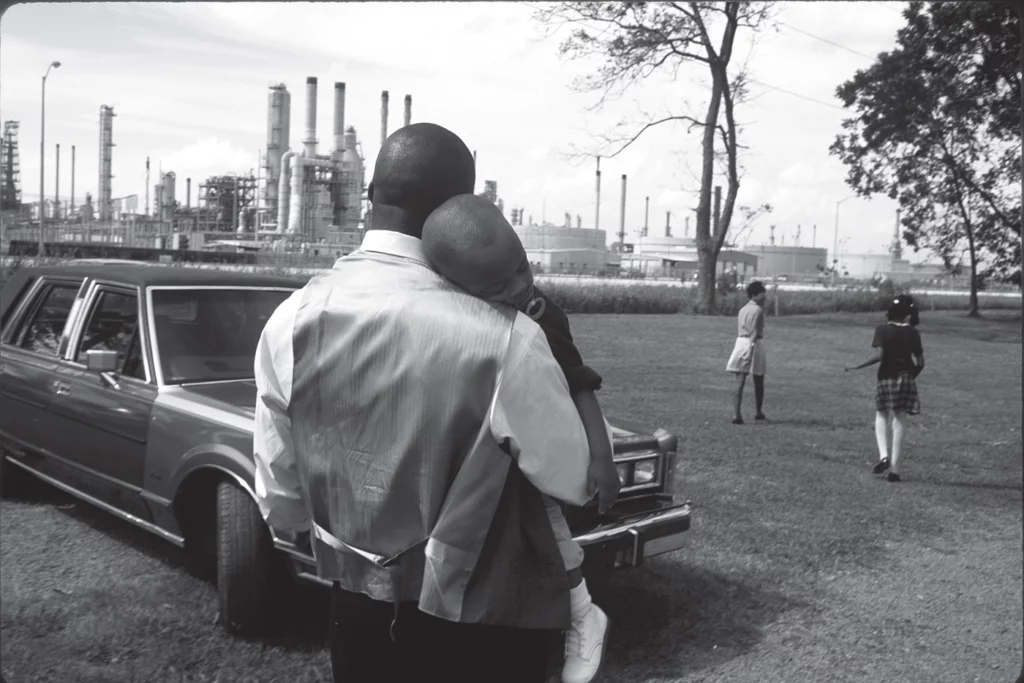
(555, 325)
(899, 344)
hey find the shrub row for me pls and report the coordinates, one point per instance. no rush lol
(642, 298)
(651, 298)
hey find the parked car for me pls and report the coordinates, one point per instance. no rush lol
(131, 387)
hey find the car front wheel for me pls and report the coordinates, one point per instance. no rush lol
(246, 563)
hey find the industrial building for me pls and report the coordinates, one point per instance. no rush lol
(786, 260)
(564, 249)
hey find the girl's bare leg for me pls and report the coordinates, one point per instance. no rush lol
(881, 434)
(741, 379)
(898, 426)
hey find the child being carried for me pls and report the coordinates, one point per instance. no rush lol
(469, 242)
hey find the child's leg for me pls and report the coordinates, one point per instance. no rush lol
(897, 441)
(741, 379)
(572, 553)
(759, 393)
(881, 434)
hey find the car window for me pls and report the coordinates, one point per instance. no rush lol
(44, 329)
(111, 326)
(133, 364)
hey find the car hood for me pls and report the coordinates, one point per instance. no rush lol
(239, 397)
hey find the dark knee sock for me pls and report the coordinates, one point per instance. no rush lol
(759, 391)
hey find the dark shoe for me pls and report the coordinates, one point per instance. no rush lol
(893, 476)
(760, 416)
(737, 420)
(882, 466)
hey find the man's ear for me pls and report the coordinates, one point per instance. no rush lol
(369, 191)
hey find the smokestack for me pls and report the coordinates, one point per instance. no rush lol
(408, 110)
(686, 227)
(310, 141)
(72, 177)
(814, 236)
(668, 224)
(339, 117)
(188, 194)
(622, 213)
(56, 188)
(383, 116)
(718, 206)
(647, 208)
(597, 200)
(147, 186)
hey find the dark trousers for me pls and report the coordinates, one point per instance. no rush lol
(427, 648)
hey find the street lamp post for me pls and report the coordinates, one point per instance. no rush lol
(835, 241)
(42, 161)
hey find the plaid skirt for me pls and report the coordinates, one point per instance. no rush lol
(898, 395)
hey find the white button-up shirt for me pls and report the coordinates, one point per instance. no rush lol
(530, 408)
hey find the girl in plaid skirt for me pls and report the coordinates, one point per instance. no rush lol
(900, 359)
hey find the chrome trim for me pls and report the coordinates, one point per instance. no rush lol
(312, 578)
(151, 317)
(627, 528)
(131, 519)
(633, 457)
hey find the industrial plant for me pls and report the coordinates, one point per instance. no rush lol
(305, 199)
(310, 200)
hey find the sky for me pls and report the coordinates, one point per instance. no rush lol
(189, 83)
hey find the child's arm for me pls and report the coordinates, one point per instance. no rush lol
(603, 475)
(878, 342)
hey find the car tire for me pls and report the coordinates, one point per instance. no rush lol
(246, 562)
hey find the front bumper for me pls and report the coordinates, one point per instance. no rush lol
(644, 535)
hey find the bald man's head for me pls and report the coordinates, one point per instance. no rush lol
(468, 240)
(419, 167)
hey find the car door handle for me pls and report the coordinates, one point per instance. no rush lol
(62, 388)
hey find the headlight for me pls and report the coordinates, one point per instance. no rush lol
(623, 471)
(645, 472)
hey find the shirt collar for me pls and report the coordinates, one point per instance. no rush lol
(394, 244)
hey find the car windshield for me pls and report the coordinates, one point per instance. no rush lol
(210, 334)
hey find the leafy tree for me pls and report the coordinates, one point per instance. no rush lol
(938, 129)
(635, 39)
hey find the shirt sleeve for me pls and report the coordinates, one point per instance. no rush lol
(759, 323)
(918, 348)
(278, 490)
(555, 325)
(879, 339)
(535, 416)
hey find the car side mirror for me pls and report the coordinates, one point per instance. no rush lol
(101, 361)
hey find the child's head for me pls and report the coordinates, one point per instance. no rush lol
(756, 292)
(468, 241)
(901, 308)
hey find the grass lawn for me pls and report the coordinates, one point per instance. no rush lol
(800, 566)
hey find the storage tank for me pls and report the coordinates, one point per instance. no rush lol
(167, 197)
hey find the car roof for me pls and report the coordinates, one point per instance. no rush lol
(156, 275)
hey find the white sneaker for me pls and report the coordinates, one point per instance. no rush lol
(584, 646)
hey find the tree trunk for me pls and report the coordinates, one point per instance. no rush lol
(972, 310)
(706, 284)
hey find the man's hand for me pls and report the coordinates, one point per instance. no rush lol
(604, 478)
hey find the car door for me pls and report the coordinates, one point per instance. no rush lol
(32, 344)
(102, 420)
